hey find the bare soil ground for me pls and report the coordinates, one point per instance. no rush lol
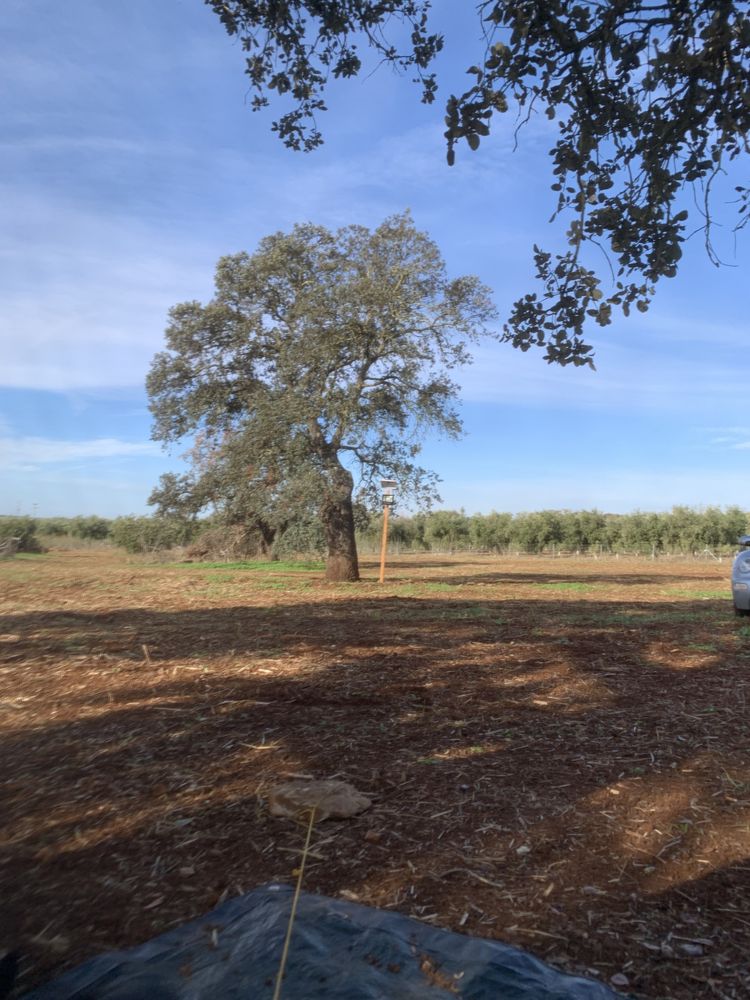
(558, 751)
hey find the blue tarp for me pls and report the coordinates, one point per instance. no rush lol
(339, 951)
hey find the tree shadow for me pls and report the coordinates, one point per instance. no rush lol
(555, 571)
(579, 580)
(136, 779)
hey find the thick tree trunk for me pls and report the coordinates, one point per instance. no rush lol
(337, 515)
(267, 538)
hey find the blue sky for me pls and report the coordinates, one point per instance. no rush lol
(130, 161)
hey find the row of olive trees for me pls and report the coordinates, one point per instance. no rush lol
(682, 530)
(35, 533)
(205, 538)
(23, 529)
(134, 534)
(92, 528)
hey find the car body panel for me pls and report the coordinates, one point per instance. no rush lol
(741, 578)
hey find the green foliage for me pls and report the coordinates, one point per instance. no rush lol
(407, 532)
(294, 48)
(582, 530)
(304, 535)
(492, 532)
(320, 353)
(446, 529)
(90, 528)
(213, 540)
(150, 534)
(683, 530)
(55, 527)
(648, 100)
(276, 566)
(538, 530)
(23, 528)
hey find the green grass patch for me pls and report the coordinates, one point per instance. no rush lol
(473, 611)
(566, 585)
(640, 618)
(700, 595)
(21, 557)
(272, 567)
(412, 589)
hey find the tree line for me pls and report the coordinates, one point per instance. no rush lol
(681, 531)
(28, 529)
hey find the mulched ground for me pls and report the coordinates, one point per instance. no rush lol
(558, 751)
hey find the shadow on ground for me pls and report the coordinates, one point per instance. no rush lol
(570, 776)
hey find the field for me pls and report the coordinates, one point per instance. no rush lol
(558, 751)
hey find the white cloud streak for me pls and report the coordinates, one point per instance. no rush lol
(631, 377)
(27, 453)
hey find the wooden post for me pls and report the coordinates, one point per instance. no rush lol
(384, 543)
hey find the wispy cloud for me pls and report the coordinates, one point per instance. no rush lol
(27, 453)
(89, 271)
(623, 381)
(86, 293)
(730, 438)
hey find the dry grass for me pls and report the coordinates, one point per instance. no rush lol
(558, 753)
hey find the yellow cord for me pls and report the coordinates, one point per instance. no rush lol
(300, 873)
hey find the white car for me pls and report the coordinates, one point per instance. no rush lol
(741, 578)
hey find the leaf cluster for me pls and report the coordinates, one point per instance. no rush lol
(294, 47)
(151, 534)
(650, 101)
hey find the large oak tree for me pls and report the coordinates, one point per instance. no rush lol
(322, 357)
(650, 98)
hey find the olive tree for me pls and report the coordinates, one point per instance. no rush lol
(318, 366)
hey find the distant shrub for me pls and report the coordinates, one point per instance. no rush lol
(301, 537)
(150, 534)
(23, 528)
(54, 527)
(91, 528)
(74, 532)
(224, 542)
(216, 541)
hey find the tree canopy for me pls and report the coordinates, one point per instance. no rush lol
(322, 356)
(684, 530)
(650, 100)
